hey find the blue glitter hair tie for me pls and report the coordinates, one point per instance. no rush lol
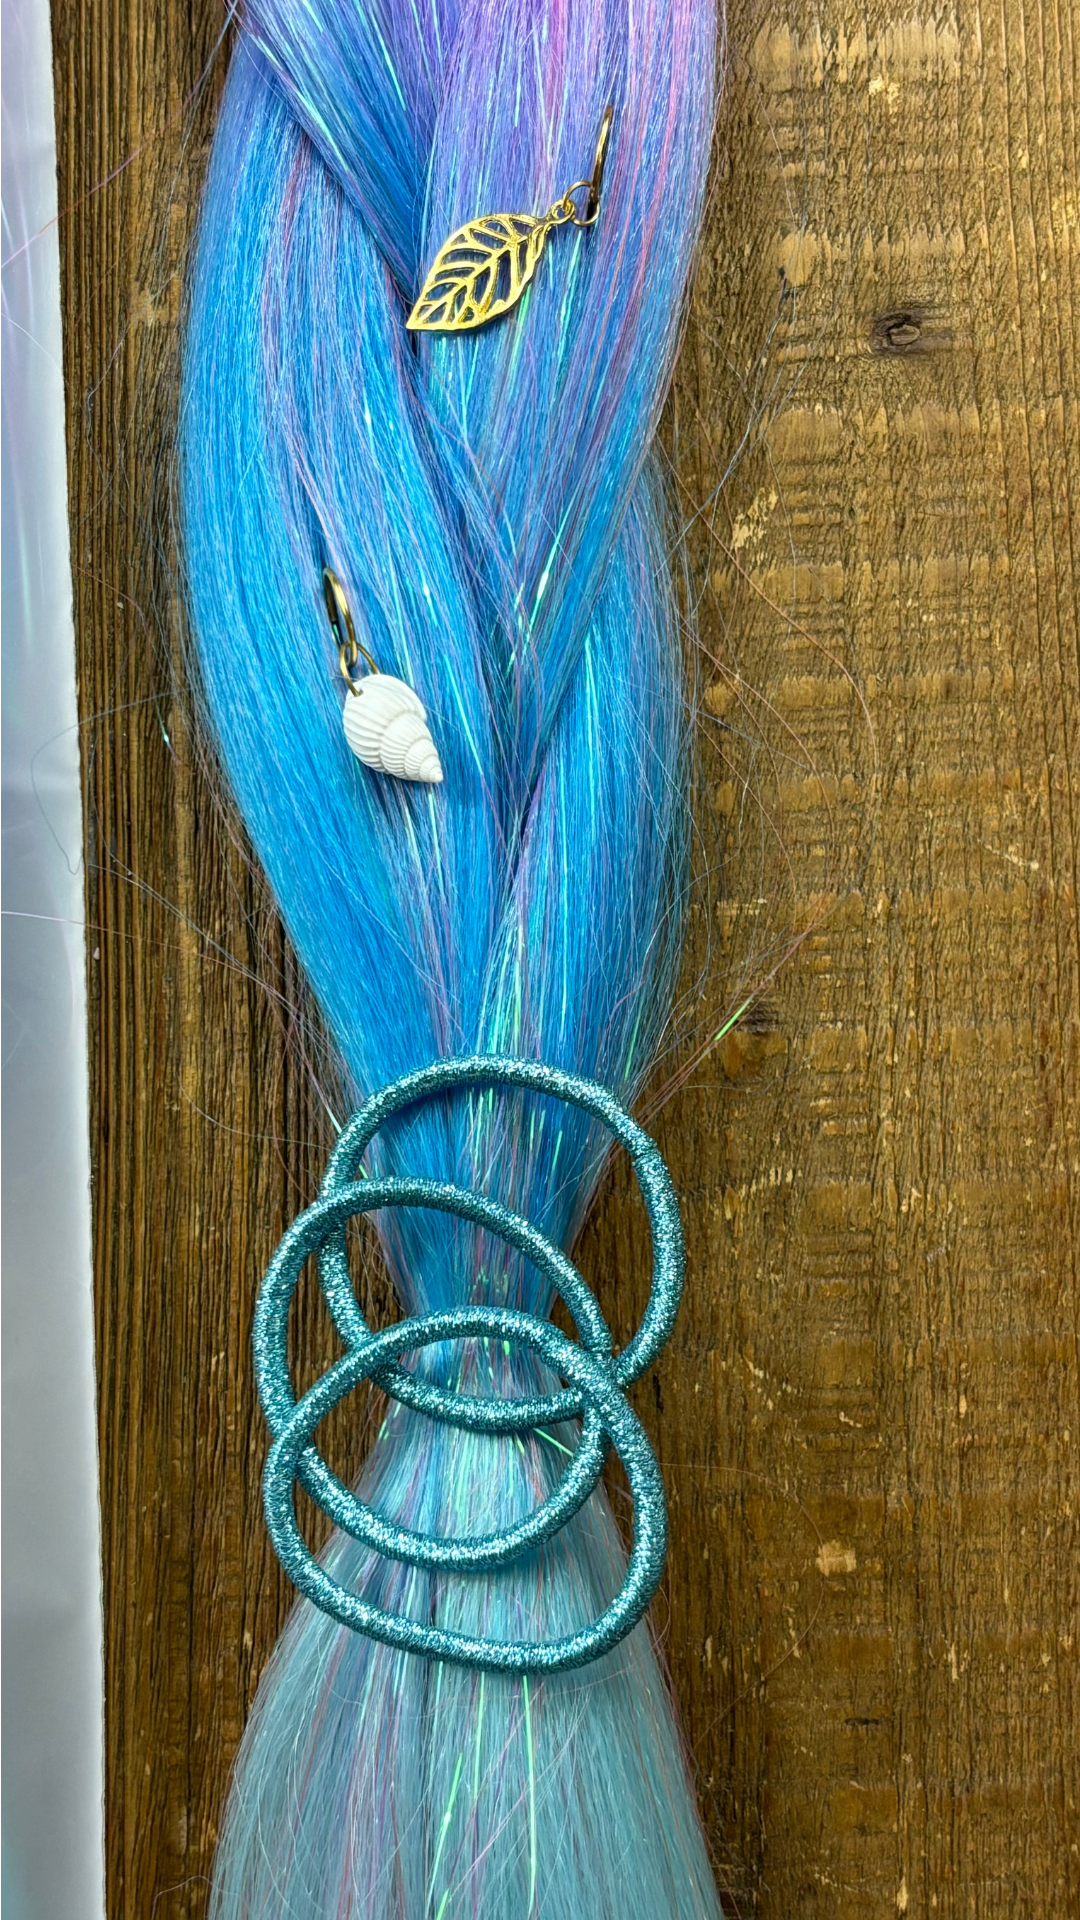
(596, 1376)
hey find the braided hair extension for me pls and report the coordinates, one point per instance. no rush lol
(493, 511)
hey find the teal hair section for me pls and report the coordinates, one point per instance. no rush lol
(493, 507)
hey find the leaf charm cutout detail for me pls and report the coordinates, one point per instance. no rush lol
(480, 272)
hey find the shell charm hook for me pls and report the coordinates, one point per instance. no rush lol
(385, 721)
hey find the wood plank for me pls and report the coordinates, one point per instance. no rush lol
(868, 1419)
(881, 1339)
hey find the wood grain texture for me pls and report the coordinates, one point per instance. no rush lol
(869, 1417)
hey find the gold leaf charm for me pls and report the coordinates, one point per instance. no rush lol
(486, 265)
(480, 272)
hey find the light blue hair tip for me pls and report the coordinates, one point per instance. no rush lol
(596, 1376)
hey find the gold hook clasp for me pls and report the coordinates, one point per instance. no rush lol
(592, 207)
(565, 210)
(341, 626)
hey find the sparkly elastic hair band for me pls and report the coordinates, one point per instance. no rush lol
(597, 1376)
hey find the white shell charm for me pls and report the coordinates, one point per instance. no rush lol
(386, 727)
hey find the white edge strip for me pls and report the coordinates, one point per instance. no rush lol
(53, 1710)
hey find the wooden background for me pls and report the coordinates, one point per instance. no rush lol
(869, 1417)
